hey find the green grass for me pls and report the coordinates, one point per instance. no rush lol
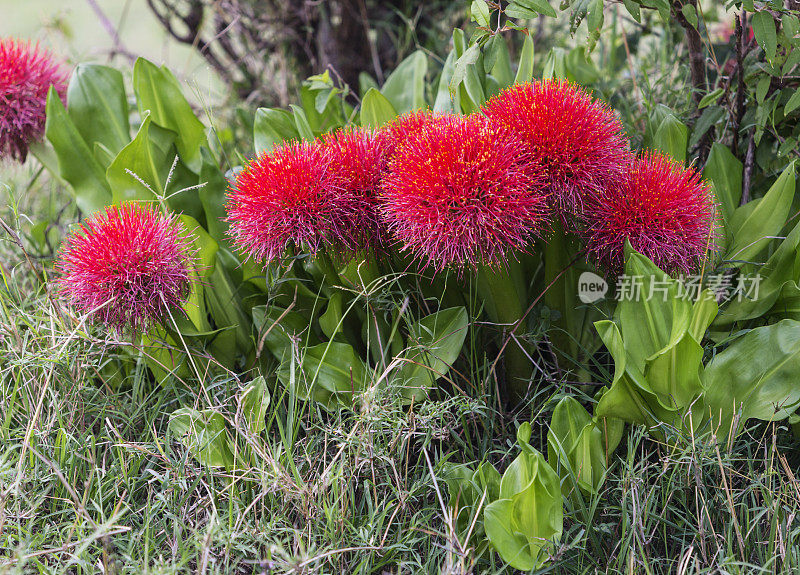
(91, 480)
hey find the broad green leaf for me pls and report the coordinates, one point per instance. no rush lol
(205, 259)
(501, 71)
(480, 12)
(76, 163)
(282, 330)
(756, 377)
(510, 544)
(435, 342)
(301, 123)
(272, 127)
(525, 68)
(98, 106)
(724, 170)
(467, 59)
(212, 196)
(376, 110)
(158, 91)
(204, 435)
(405, 87)
(766, 35)
(672, 138)
(705, 122)
(253, 403)
(754, 225)
(674, 373)
(445, 101)
(140, 170)
(529, 9)
(331, 320)
(710, 98)
(793, 103)
(777, 272)
(332, 367)
(225, 305)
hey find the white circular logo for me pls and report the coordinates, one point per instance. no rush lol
(591, 287)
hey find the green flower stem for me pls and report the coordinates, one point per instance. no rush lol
(504, 295)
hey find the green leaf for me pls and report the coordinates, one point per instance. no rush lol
(205, 260)
(376, 110)
(724, 171)
(331, 320)
(766, 35)
(754, 225)
(672, 138)
(467, 59)
(525, 69)
(272, 127)
(97, 104)
(705, 122)
(445, 101)
(501, 71)
(158, 91)
(755, 376)
(437, 341)
(301, 123)
(594, 20)
(529, 9)
(480, 12)
(76, 163)
(710, 98)
(327, 370)
(690, 13)
(793, 103)
(253, 404)
(775, 274)
(213, 196)
(405, 87)
(204, 435)
(140, 170)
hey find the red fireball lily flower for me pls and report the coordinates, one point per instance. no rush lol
(293, 195)
(459, 192)
(358, 162)
(664, 210)
(579, 142)
(26, 74)
(396, 132)
(126, 266)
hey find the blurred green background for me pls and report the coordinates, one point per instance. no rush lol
(74, 31)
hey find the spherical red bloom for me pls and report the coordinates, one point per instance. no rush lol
(26, 74)
(579, 142)
(293, 195)
(359, 159)
(664, 210)
(126, 266)
(458, 192)
(396, 132)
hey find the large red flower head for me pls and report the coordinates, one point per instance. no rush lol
(26, 74)
(127, 266)
(293, 196)
(664, 210)
(579, 142)
(359, 160)
(458, 192)
(396, 132)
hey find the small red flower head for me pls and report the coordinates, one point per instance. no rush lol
(126, 266)
(579, 142)
(293, 195)
(664, 210)
(458, 192)
(358, 160)
(26, 74)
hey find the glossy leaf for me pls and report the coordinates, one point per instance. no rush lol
(672, 138)
(76, 163)
(525, 69)
(753, 225)
(204, 435)
(98, 106)
(435, 342)
(405, 87)
(272, 127)
(376, 110)
(253, 404)
(158, 91)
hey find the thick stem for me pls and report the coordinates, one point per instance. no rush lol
(503, 294)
